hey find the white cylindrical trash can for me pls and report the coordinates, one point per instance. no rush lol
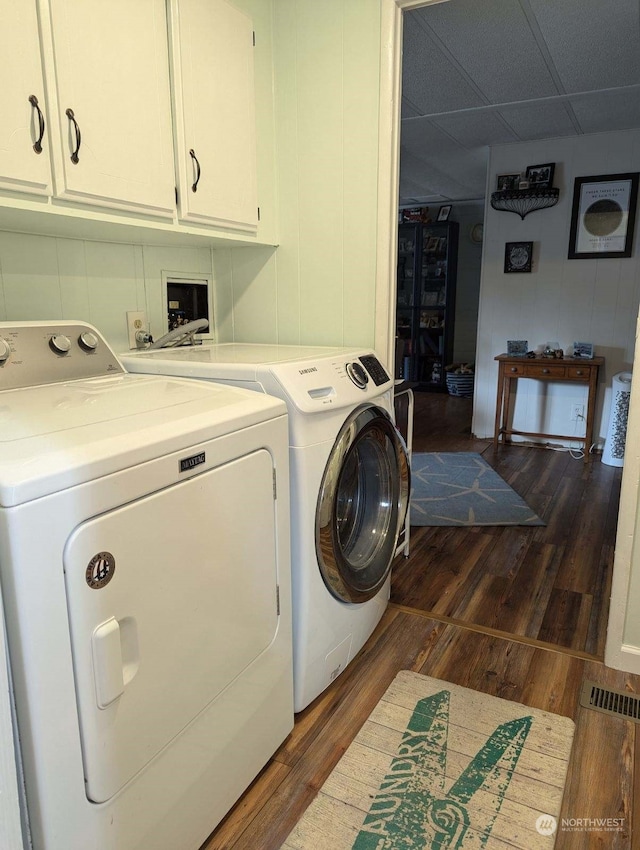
(613, 454)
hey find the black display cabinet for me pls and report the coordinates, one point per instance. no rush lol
(426, 302)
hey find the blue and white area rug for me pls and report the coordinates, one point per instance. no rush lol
(440, 767)
(460, 488)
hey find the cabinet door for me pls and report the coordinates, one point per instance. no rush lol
(21, 167)
(215, 113)
(111, 70)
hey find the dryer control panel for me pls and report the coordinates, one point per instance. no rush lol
(35, 353)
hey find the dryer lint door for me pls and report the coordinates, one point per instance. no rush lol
(170, 598)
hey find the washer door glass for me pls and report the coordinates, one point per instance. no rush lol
(362, 504)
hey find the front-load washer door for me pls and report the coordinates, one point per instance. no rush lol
(170, 598)
(361, 506)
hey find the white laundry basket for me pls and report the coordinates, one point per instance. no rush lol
(613, 454)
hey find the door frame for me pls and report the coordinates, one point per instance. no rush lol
(391, 23)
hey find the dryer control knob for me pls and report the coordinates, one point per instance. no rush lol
(88, 341)
(60, 343)
(358, 375)
(5, 350)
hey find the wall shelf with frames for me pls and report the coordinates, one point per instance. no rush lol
(524, 201)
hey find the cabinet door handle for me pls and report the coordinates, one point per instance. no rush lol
(545, 371)
(75, 159)
(514, 368)
(578, 371)
(192, 154)
(33, 100)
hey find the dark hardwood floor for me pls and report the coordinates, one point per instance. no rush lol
(550, 583)
(518, 613)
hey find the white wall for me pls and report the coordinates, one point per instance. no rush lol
(561, 300)
(44, 277)
(622, 649)
(327, 69)
(318, 286)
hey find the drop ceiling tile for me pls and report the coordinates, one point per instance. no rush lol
(457, 175)
(407, 110)
(429, 81)
(594, 44)
(493, 43)
(539, 120)
(422, 136)
(475, 129)
(599, 112)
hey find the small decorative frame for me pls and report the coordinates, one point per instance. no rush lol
(507, 182)
(443, 212)
(517, 347)
(583, 350)
(540, 176)
(518, 257)
(603, 216)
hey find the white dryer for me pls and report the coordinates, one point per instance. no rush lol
(145, 568)
(349, 485)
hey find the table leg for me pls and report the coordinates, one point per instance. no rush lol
(505, 409)
(591, 412)
(496, 431)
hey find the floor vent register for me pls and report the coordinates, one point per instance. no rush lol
(616, 703)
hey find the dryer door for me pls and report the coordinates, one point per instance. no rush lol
(362, 504)
(170, 598)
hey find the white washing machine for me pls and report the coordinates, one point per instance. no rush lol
(145, 568)
(349, 485)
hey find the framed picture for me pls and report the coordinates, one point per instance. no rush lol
(432, 244)
(540, 176)
(517, 257)
(507, 182)
(443, 212)
(603, 216)
(517, 347)
(583, 349)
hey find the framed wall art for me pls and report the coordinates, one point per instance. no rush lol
(517, 347)
(443, 212)
(507, 182)
(583, 349)
(540, 176)
(603, 216)
(518, 257)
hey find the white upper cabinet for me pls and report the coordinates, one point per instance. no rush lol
(214, 108)
(23, 167)
(108, 78)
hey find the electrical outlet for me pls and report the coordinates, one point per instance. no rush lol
(136, 321)
(577, 412)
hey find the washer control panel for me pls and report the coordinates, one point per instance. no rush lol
(34, 353)
(375, 368)
(358, 375)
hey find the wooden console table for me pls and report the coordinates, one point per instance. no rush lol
(570, 370)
